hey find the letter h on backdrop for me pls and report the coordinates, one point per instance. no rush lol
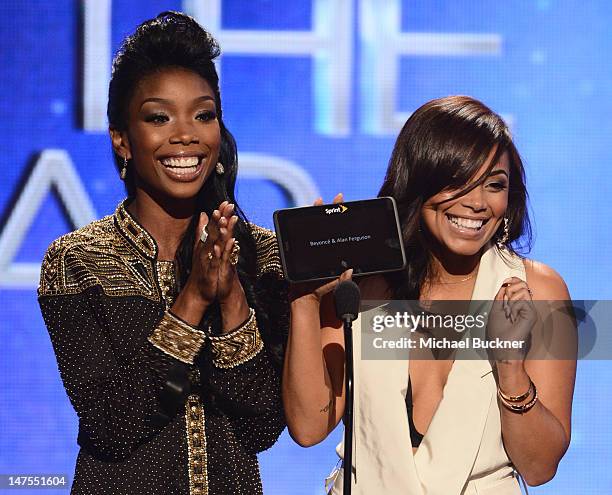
(330, 45)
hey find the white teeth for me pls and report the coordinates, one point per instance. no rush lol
(466, 223)
(183, 170)
(181, 163)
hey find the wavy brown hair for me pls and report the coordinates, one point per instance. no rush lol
(442, 146)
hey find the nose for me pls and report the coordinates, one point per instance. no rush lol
(184, 134)
(474, 200)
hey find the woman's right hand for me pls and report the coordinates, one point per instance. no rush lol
(313, 391)
(201, 287)
(203, 279)
(317, 293)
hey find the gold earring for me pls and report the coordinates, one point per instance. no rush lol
(501, 243)
(123, 173)
(219, 168)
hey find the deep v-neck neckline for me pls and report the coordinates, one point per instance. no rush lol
(448, 375)
(463, 424)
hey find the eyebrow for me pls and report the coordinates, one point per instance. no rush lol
(498, 172)
(169, 102)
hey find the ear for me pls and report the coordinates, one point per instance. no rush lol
(121, 143)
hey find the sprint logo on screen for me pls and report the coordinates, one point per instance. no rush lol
(337, 209)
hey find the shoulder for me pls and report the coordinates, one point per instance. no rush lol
(268, 258)
(544, 282)
(97, 232)
(62, 265)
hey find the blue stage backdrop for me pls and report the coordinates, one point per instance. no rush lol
(315, 92)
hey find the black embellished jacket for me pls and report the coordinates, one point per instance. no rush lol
(163, 407)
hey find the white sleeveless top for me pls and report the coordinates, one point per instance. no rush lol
(462, 451)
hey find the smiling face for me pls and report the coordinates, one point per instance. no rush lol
(463, 225)
(173, 135)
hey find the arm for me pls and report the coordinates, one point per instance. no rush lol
(245, 385)
(240, 373)
(537, 440)
(313, 375)
(117, 400)
(243, 370)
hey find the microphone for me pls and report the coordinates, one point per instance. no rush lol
(347, 298)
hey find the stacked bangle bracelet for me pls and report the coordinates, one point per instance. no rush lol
(517, 403)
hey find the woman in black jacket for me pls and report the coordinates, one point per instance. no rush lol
(169, 317)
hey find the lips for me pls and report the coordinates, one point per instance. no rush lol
(182, 168)
(473, 224)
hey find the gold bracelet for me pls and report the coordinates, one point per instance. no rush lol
(177, 338)
(238, 346)
(522, 408)
(516, 398)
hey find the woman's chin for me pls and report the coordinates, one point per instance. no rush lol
(461, 247)
(182, 191)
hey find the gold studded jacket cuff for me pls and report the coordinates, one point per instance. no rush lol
(177, 338)
(239, 345)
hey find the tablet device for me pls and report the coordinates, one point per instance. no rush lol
(321, 242)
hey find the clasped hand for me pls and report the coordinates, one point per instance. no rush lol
(511, 320)
(213, 276)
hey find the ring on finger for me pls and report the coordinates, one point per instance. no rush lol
(204, 234)
(235, 254)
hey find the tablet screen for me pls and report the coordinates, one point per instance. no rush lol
(320, 242)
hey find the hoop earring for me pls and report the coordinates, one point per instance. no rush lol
(219, 168)
(502, 243)
(123, 173)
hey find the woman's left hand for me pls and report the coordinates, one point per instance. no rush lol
(512, 319)
(230, 294)
(227, 251)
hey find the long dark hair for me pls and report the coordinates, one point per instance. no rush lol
(173, 39)
(443, 145)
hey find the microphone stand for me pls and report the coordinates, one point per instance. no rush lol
(348, 407)
(347, 297)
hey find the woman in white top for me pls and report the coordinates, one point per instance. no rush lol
(453, 426)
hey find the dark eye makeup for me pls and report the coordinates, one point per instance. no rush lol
(207, 115)
(497, 186)
(158, 118)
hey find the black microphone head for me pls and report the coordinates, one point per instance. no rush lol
(347, 298)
